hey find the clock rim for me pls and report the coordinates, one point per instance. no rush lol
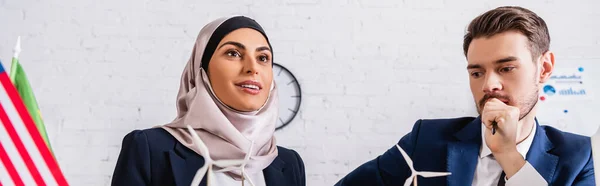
(299, 97)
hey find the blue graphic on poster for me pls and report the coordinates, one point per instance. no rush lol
(549, 90)
(566, 85)
(566, 100)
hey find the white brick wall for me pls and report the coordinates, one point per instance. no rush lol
(369, 69)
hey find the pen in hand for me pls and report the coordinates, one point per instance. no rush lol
(494, 126)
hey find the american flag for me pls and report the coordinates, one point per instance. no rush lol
(25, 158)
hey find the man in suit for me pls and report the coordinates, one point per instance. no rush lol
(508, 56)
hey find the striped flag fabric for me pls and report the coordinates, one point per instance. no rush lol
(25, 158)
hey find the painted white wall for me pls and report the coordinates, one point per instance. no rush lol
(368, 69)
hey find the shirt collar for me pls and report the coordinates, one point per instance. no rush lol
(522, 147)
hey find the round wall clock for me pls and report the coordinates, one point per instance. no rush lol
(290, 95)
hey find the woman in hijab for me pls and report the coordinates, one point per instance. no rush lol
(228, 99)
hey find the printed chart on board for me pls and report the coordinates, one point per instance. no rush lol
(567, 100)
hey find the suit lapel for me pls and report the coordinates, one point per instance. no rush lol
(539, 154)
(274, 173)
(184, 165)
(463, 154)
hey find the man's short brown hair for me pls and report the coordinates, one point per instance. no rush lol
(510, 18)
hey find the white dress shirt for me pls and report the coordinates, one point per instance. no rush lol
(488, 170)
(222, 179)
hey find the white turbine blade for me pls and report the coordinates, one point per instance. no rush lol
(249, 153)
(433, 174)
(245, 177)
(244, 168)
(249, 180)
(409, 180)
(200, 174)
(246, 160)
(414, 172)
(199, 143)
(227, 163)
(406, 158)
(227, 169)
(210, 176)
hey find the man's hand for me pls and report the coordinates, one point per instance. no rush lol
(503, 144)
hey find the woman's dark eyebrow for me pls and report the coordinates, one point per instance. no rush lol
(263, 48)
(239, 45)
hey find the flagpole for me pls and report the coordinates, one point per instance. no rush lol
(34, 112)
(15, 60)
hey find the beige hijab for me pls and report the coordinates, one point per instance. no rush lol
(226, 132)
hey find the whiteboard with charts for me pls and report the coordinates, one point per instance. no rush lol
(567, 101)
